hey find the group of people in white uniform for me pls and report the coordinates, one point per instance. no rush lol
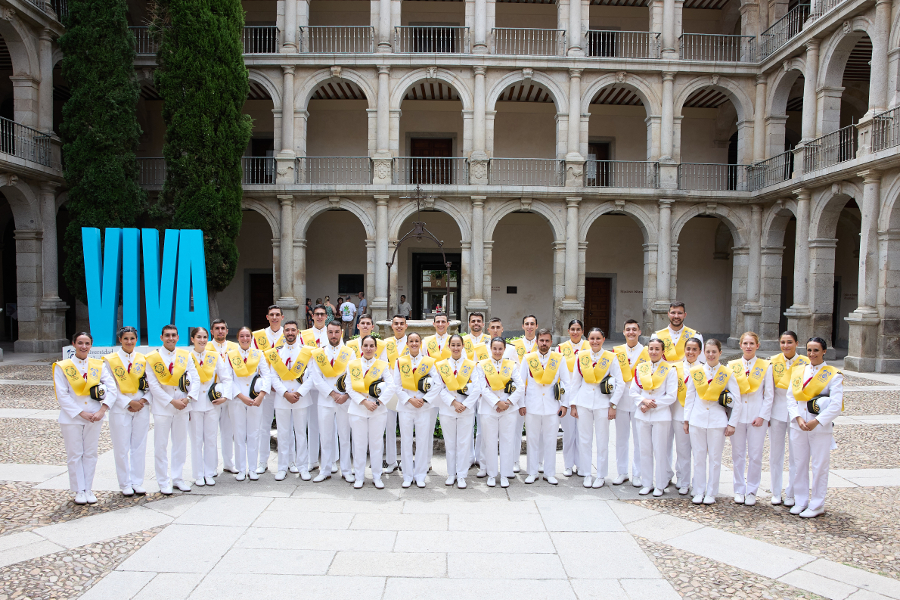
(337, 403)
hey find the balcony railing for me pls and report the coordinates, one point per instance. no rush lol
(152, 171)
(720, 48)
(334, 170)
(783, 30)
(836, 147)
(337, 39)
(621, 174)
(57, 8)
(771, 171)
(709, 177)
(622, 44)
(258, 170)
(22, 141)
(431, 38)
(143, 43)
(531, 42)
(414, 170)
(886, 130)
(821, 7)
(526, 171)
(260, 39)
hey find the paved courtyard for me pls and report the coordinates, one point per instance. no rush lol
(295, 539)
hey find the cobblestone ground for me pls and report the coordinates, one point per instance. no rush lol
(36, 441)
(38, 397)
(27, 372)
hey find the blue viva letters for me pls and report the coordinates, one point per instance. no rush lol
(191, 270)
(102, 281)
(159, 290)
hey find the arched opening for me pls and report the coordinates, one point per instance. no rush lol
(846, 273)
(7, 108)
(844, 97)
(617, 29)
(335, 269)
(786, 286)
(614, 274)
(337, 105)
(524, 140)
(432, 26)
(431, 138)
(245, 300)
(8, 293)
(713, 148)
(258, 161)
(619, 140)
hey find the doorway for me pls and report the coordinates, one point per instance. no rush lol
(597, 168)
(432, 162)
(261, 298)
(429, 284)
(597, 303)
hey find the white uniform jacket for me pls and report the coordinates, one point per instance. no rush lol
(326, 385)
(539, 398)
(388, 389)
(222, 376)
(288, 354)
(161, 396)
(489, 397)
(834, 389)
(665, 395)
(404, 395)
(677, 408)
(710, 415)
(241, 385)
(588, 395)
(116, 399)
(758, 403)
(72, 405)
(470, 401)
(779, 400)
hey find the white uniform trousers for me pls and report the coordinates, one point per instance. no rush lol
(415, 467)
(334, 430)
(670, 445)
(747, 450)
(128, 431)
(497, 435)
(571, 446)
(264, 440)
(516, 448)
(459, 437)
(81, 453)
(204, 449)
(432, 423)
(592, 423)
(245, 420)
(777, 432)
(707, 446)
(810, 451)
(367, 434)
(654, 436)
(291, 426)
(540, 437)
(165, 427)
(390, 437)
(682, 454)
(478, 451)
(312, 434)
(626, 428)
(226, 435)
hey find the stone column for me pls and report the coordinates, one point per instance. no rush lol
(28, 290)
(45, 91)
(289, 35)
(300, 272)
(809, 91)
(649, 289)
(370, 270)
(478, 161)
(574, 159)
(663, 264)
(878, 80)
(25, 99)
(382, 159)
(287, 110)
(384, 26)
(770, 296)
(574, 33)
(799, 313)
(286, 248)
(865, 319)
(752, 309)
(669, 49)
(571, 280)
(480, 46)
(759, 120)
(52, 308)
(379, 302)
(476, 301)
(668, 117)
(487, 275)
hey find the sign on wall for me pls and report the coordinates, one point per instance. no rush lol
(174, 284)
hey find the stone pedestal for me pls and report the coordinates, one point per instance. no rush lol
(423, 327)
(799, 321)
(752, 312)
(574, 172)
(381, 170)
(668, 176)
(568, 310)
(863, 341)
(660, 310)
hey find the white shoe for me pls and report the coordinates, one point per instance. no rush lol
(697, 499)
(797, 509)
(80, 498)
(351, 478)
(491, 482)
(406, 483)
(305, 476)
(313, 466)
(240, 476)
(293, 469)
(253, 475)
(587, 482)
(461, 483)
(684, 491)
(530, 479)
(672, 480)
(379, 485)
(210, 481)
(644, 491)
(709, 500)
(657, 492)
(552, 480)
(420, 484)
(516, 468)
(575, 471)
(138, 490)
(620, 479)
(504, 482)
(450, 480)
(789, 502)
(481, 474)
(334, 468)
(322, 476)
(166, 490)
(200, 482)
(390, 468)
(128, 491)
(750, 500)
(280, 475)
(738, 498)
(806, 514)
(541, 468)
(90, 498)
(183, 486)
(636, 482)
(776, 500)
(598, 482)
(358, 484)
(568, 472)
(261, 470)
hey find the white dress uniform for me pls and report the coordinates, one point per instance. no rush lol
(459, 428)
(313, 437)
(812, 449)
(654, 426)
(416, 421)
(571, 449)
(682, 439)
(747, 442)
(593, 415)
(778, 428)
(292, 419)
(390, 429)
(367, 426)
(542, 415)
(333, 418)
(477, 454)
(169, 421)
(246, 419)
(516, 449)
(626, 425)
(707, 421)
(499, 433)
(226, 430)
(442, 340)
(204, 421)
(81, 437)
(127, 429)
(267, 410)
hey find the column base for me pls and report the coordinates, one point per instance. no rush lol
(800, 322)
(752, 312)
(39, 346)
(52, 312)
(568, 310)
(479, 305)
(863, 340)
(660, 310)
(289, 306)
(379, 309)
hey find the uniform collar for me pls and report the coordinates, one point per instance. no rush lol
(126, 355)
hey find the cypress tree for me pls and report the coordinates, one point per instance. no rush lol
(203, 83)
(100, 132)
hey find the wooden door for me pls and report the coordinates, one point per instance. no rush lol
(261, 298)
(432, 164)
(597, 303)
(597, 169)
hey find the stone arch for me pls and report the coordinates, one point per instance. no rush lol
(732, 220)
(835, 52)
(273, 90)
(302, 96)
(560, 98)
(775, 222)
(780, 88)
(263, 208)
(643, 220)
(741, 101)
(314, 209)
(400, 88)
(461, 219)
(889, 213)
(20, 41)
(22, 201)
(826, 207)
(639, 85)
(557, 225)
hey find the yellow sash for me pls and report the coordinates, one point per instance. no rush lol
(672, 351)
(497, 379)
(626, 367)
(650, 380)
(262, 341)
(161, 370)
(296, 371)
(391, 346)
(308, 337)
(780, 371)
(207, 368)
(479, 352)
(241, 368)
(595, 372)
(431, 347)
(228, 346)
(409, 377)
(354, 344)
(682, 386)
(344, 356)
(359, 382)
(77, 382)
(815, 386)
(706, 390)
(520, 347)
(540, 374)
(458, 382)
(128, 382)
(755, 379)
(737, 367)
(570, 352)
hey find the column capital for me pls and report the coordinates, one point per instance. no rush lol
(299, 242)
(370, 244)
(668, 76)
(384, 70)
(480, 70)
(47, 36)
(49, 186)
(287, 69)
(575, 73)
(286, 200)
(870, 176)
(666, 203)
(812, 45)
(478, 200)
(755, 209)
(761, 79)
(381, 200)
(802, 194)
(573, 201)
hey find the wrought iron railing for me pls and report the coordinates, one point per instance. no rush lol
(530, 42)
(337, 39)
(143, 43)
(621, 174)
(431, 38)
(57, 8)
(22, 141)
(622, 44)
(720, 48)
(526, 171)
(771, 171)
(151, 171)
(886, 130)
(821, 7)
(431, 170)
(334, 170)
(836, 147)
(710, 177)
(260, 39)
(783, 30)
(258, 170)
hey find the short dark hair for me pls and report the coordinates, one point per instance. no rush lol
(695, 341)
(398, 317)
(366, 317)
(714, 342)
(476, 314)
(456, 335)
(820, 341)
(318, 306)
(291, 322)
(544, 331)
(496, 320)
(656, 341)
(402, 296)
(274, 306)
(413, 333)
(81, 333)
(597, 329)
(676, 304)
(631, 322)
(217, 321)
(335, 323)
(573, 321)
(243, 327)
(367, 337)
(193, 331)
(436, 317)
(526, 317)
(167, 327)
(498, 339)
(790, 333)
(363, 294)
(124, 330)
